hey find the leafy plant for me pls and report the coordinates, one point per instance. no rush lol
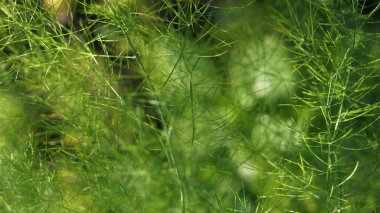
(189, 106)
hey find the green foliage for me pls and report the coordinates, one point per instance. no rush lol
(189, 106)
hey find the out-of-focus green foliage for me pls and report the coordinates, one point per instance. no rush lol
(189, 106)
